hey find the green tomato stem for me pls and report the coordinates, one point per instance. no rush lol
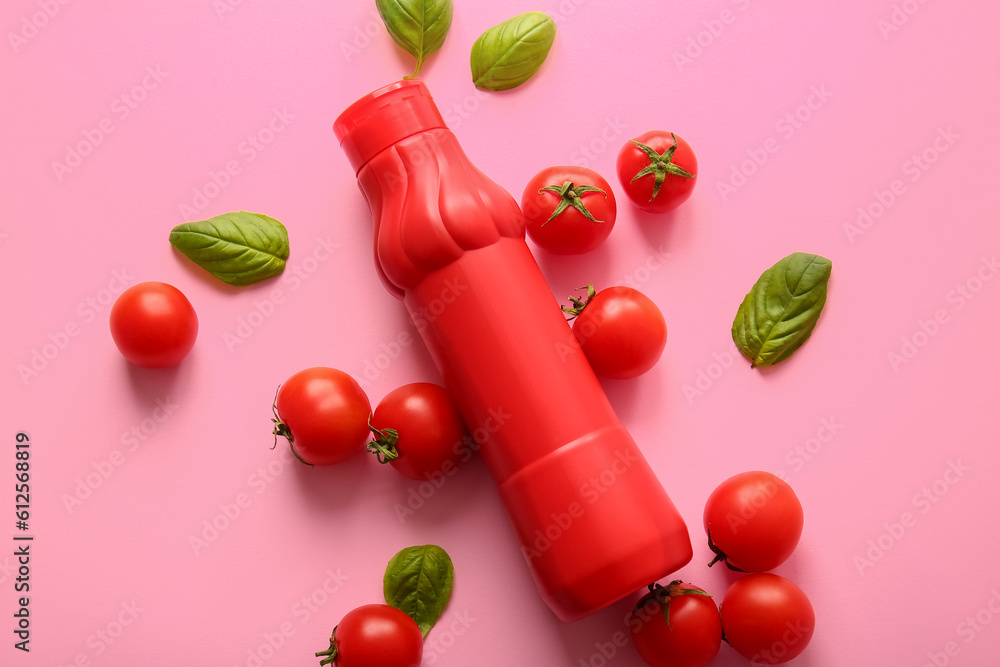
(281, 428)
(330, 653)
(660, 164)
(569, 195)
(579, 304)
(383, 446)
(720, 555)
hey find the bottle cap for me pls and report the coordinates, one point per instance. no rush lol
(384, 117)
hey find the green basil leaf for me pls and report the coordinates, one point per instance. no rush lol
(418, 581)
(238, 248)
(418, 26)
(508, 54)
(778, 315)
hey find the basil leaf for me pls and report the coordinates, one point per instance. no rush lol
(238, 248)
(418, 581)
(778, 315)
(508, 54)
(418, 26)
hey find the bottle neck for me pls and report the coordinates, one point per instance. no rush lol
(384, 118)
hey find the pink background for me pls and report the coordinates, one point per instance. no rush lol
(115, 579)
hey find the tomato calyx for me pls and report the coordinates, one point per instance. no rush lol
(663, 595)
(281, 428)
(660, 164)
(720, 555)
(578, 304)
(569, 195)
(329, 655)
(383, 446)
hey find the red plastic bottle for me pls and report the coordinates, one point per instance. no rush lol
(592, 519)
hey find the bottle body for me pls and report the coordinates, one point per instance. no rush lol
(593, 522)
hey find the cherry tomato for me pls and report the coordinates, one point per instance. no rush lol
(767, 618)
(620, 330)
(568, 209)
(658, 170)
(375, 635)
(323, 412)
(687, 633)
(153, 324)
(753, 521)
(418, 431)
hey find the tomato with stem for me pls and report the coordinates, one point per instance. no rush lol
(753, 521)
(677, 625)
(620, 330)
(658, 170)
(375, 635)
(418, 431)
(323, 413)
(568, 210)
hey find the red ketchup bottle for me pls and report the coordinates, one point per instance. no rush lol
(592, 519)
